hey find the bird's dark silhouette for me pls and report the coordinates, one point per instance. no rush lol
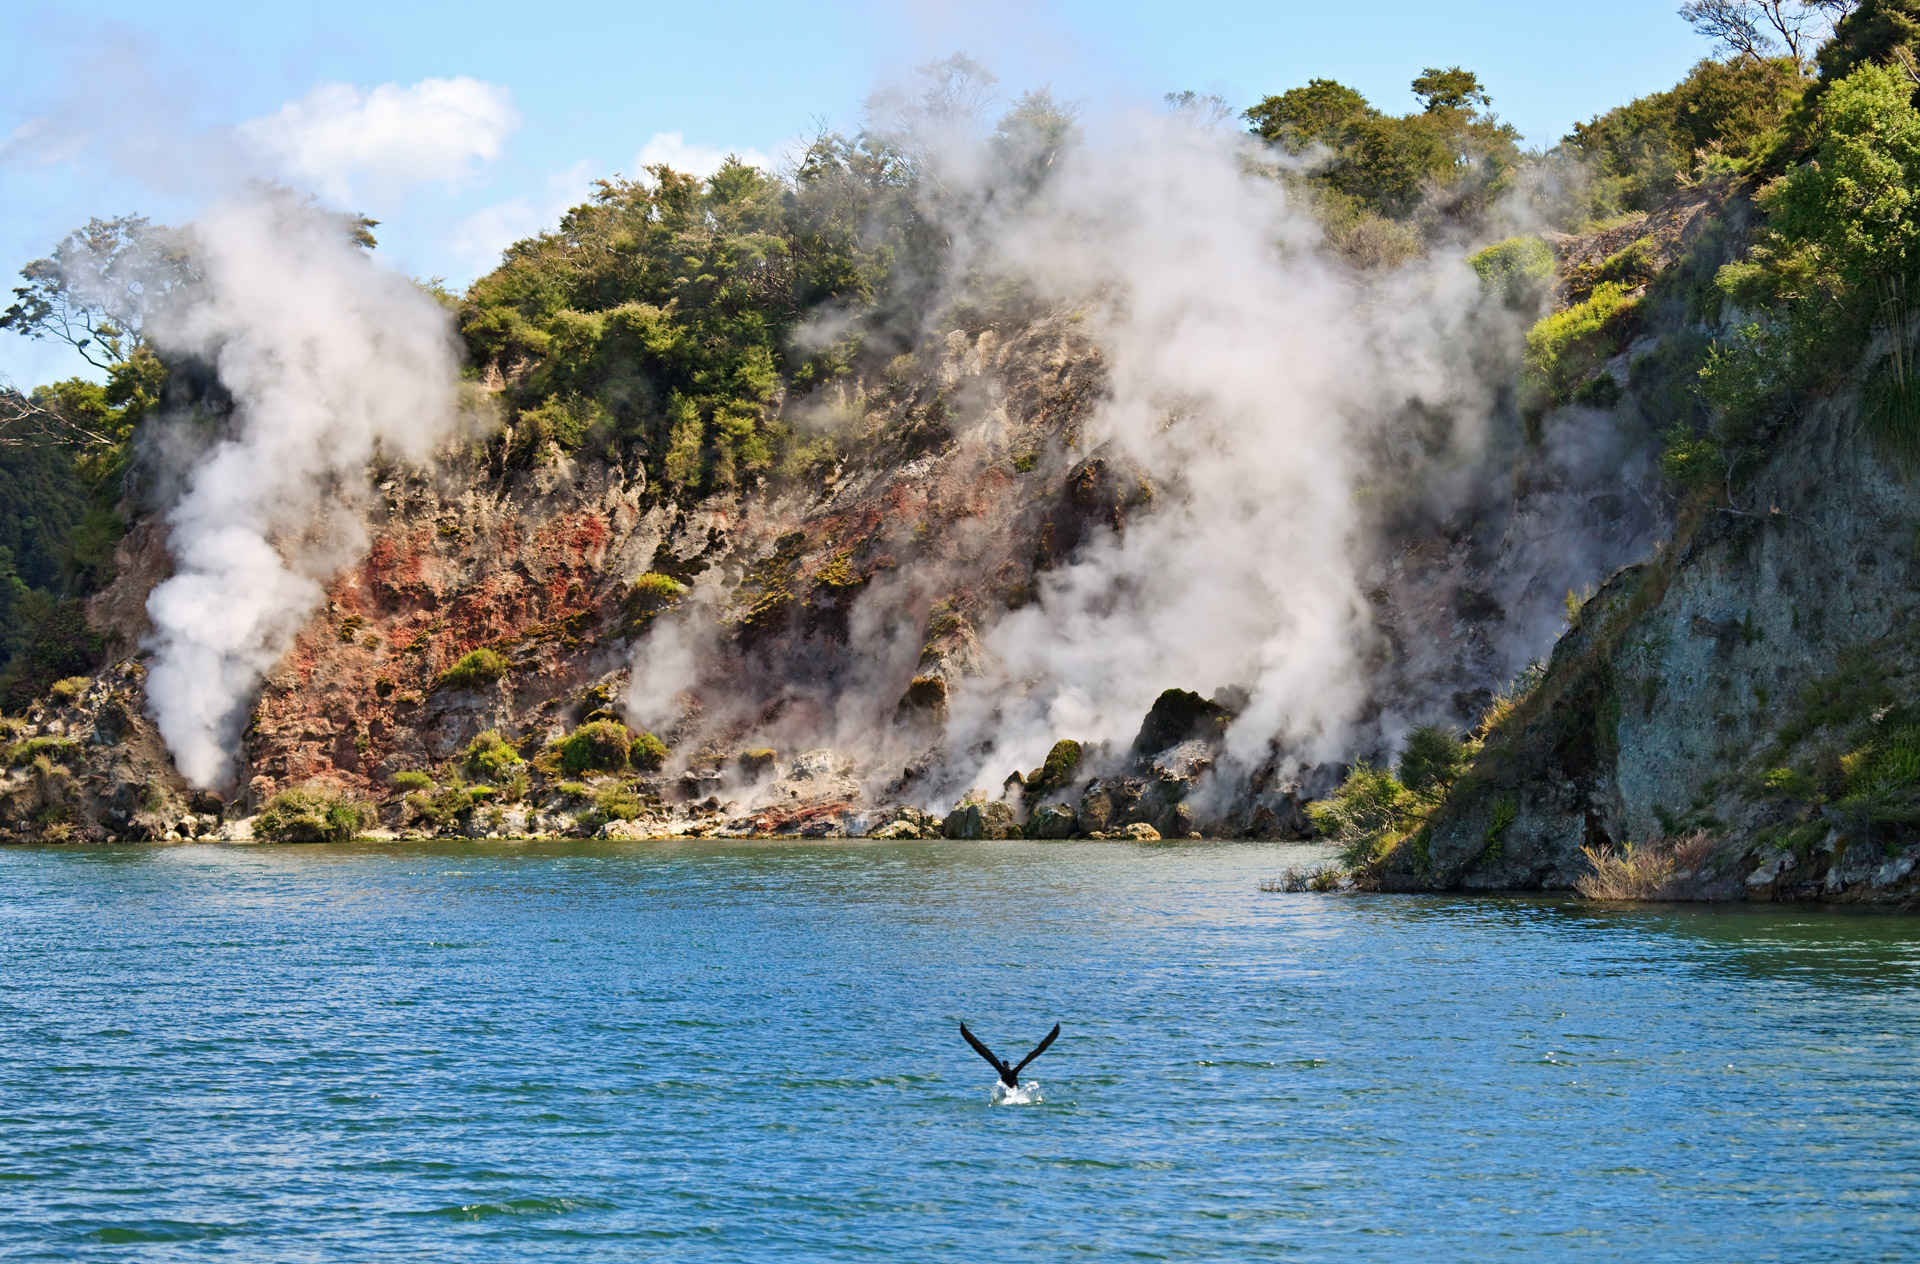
(1009, 1075)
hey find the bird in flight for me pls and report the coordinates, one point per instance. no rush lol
(1009, 1075)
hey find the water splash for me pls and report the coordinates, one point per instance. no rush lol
(1028, 1094)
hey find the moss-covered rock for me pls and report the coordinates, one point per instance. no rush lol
(1179, 715)
(924, 702)
(1052, 820)
(1057, 771)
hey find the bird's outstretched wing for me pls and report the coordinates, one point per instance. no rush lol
(1042, 1048)
(981, 1049)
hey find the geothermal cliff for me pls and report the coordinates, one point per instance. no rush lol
(837, 632)
(553, 644)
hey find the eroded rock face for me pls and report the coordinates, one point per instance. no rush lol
(1755, 645)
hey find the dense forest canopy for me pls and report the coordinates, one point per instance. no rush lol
(682, 327)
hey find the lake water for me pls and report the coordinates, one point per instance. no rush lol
(748, 1051)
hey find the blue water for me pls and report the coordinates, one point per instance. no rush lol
(717, 1051)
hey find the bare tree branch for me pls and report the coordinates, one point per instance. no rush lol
(1759, 29)
(28, 421)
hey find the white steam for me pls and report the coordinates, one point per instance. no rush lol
(1246, 369)
(329, 358)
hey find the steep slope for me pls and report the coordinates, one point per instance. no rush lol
(1739, 707)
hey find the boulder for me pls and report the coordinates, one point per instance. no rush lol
(1096, 808)
(996, 821)
(1052, 820)
(981, 820)
(1139, 832)
(963, 822)
(1179, 716)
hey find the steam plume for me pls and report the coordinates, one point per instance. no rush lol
(328, 358)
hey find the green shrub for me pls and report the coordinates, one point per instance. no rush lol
(1519, 271)
(491, 758)
(481, 667)
(647, 753)
(1433, 760)
(1505, 812)
(1633, 266)
(1368, 814)
(70, 688)
(1888, 767)
(442, 807)
(410, 779)
(52, 748)
(619, 803)
(312, 814)
(1789, 783)
(1564, 348)
(600, 746)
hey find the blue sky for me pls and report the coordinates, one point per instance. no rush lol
(462, 126)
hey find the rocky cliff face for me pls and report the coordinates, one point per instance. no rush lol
(850, 612)
(1749, 690)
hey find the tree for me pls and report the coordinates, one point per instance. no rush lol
(1451, 89)
(1450, 157)
(1747, 29)
(1875, 31)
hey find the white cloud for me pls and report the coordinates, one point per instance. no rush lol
(672, 149)
(348, 142)
(478, 239)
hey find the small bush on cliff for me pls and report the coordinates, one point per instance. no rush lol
(1434, 759)
(491, 758)
(621, 802)
(70, 688)
(651, 594)
(1518, 270)
(441, 807)
(481, 667)
(53, 748)
(410, 780)
(312, 814)
(1564, 348)
(1368, 814)
(647, 753)
(601, 746)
